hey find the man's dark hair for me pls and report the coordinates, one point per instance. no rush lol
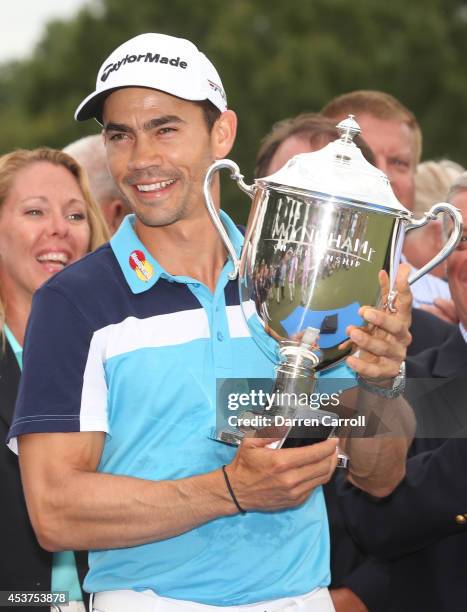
(315, 128)
(210, 112)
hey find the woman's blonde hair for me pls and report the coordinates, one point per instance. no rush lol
(12, 163)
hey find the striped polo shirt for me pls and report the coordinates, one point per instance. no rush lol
(117, 344)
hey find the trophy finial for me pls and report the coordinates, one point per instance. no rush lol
(348, 129)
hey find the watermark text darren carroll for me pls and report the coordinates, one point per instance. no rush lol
(259, 421)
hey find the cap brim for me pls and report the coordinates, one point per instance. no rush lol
(91, 107)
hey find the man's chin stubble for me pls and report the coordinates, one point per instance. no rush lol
(158, 220)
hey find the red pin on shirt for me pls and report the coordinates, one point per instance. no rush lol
(140, 265)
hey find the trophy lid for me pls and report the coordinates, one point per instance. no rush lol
(339, 170)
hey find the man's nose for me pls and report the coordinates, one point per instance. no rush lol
(145, 154)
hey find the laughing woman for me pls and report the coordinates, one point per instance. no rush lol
(48, 220)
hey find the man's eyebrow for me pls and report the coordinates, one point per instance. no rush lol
(149, 125)
(116, 127)
(159, 121)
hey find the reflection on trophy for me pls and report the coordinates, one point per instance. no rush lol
(319, 232)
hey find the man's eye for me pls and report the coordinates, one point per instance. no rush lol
(400, 163)
(117, 137)
(166, 130)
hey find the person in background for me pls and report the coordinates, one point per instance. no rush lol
(432, 182)
(457, 262)
(419, 534)
(300, 134)
(48, 220)
(394, 135)
(90, 153)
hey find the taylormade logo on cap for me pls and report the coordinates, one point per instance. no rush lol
(157, 61)
(145, 57)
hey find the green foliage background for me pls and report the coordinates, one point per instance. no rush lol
(276, 58)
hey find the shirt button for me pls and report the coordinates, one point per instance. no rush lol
(460, 519)
(220, 336)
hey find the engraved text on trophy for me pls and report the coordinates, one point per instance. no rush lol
(336, 238)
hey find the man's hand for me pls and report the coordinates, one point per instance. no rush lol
(266, 479)
(383, 343)
(73, 507)
(377, 462)
(345, 600)
(443, 309)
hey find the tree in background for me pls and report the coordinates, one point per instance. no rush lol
(276, 59)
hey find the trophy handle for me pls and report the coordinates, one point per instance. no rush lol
(450, 245)
(214, 214)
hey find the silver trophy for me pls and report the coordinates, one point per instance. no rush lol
(319, 232)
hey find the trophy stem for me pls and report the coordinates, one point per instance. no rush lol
(295, 383)
(296, 375)
(300, 360)
(296, 366)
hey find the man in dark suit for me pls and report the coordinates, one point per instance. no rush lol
(427, 506)
(419, 533)
(427, 331)
(24, 565)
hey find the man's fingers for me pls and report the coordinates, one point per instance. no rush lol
(384, 284)
(382, 343)
(343, 346)
(404, 294)
(248, 442)
(322, 475)
(402, 277)
(394, 325)
(381, 347)
(290, 458)
(310, 472)
(383, 368)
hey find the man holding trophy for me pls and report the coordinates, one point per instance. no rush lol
(117, 400)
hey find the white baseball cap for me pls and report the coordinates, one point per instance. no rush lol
(173, 65)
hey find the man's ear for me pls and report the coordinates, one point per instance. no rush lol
(114, 212)
(223, 134)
